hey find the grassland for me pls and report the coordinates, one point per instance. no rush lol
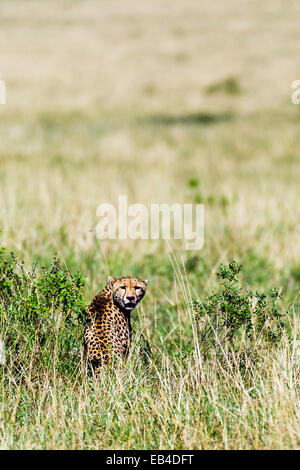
(163, 102)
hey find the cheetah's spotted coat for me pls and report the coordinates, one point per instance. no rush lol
(109, 334)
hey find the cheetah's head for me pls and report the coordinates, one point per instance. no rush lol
(127, 291)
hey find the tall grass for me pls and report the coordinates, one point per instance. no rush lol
(163, 102)
(166, 396)
(174, 404)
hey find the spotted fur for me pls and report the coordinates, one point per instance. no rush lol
(109, 334)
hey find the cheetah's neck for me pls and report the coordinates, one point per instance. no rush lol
(103, 305)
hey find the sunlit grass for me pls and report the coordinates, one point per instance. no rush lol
(162, 102)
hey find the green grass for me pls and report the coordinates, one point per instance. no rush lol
(170, 394)
(157, 103)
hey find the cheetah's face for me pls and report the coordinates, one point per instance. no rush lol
(127, 291)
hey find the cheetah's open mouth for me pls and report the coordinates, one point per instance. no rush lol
(130, 305)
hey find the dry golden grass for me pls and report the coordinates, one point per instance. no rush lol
(112, 98)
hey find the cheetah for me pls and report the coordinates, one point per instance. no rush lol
(109, 334)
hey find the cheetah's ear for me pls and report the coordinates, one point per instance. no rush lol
(111, 280)
(145, 281)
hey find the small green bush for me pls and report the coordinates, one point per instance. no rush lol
(41, 314)
(235, 319)
(229, 85)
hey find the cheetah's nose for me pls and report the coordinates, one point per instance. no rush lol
(130, 298)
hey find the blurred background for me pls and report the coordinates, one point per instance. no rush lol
(169, 101)
(161, 101)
